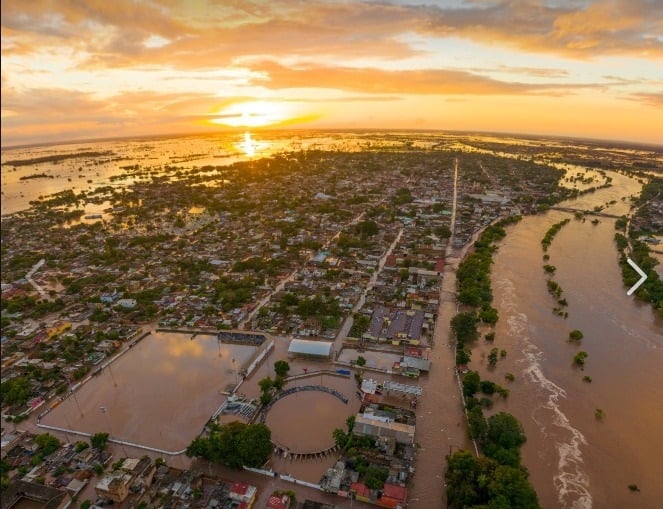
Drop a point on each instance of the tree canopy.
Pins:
(235, 444)
(281, 368)
(99, 440)
(47, 443)
(481, 483)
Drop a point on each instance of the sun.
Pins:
(254, 114)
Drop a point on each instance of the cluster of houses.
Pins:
(58, 479)
(296, 245)
(391, 429)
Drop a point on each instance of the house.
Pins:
(33, 495)
(127, 303)
(109, 298)
(114, 486)
(361, 492)
(243, 493)
(278, 502)
(393, 496)
(377, 424)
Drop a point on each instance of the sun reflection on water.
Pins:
(248, 146)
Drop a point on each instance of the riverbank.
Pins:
(575, 460)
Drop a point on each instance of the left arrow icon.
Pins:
(642, 279)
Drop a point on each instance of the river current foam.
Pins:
(570, 481)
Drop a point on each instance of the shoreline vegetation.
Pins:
(57, 158)
(627, 240)
(554, 288)
(497, 478)
(37, 176)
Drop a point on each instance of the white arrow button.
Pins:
(642, 279)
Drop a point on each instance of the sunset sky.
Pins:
(76, 69)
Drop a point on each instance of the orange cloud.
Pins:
(57, 114)
(604, 27)
(372, 80)
(215, 34)
(653, 99)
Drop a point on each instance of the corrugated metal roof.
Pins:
(307, 347)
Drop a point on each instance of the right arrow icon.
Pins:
(642, 279)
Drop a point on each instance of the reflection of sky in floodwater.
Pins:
(160, 393)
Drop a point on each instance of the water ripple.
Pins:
(571, 482)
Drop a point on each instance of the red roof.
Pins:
(388, 502)
(275, 502)
(439, 265)
(413, 351)
(394, 491)
(361, 489)
(240, 488)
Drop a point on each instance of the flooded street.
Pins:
(576, 460)
(160, 393)
(441, 425)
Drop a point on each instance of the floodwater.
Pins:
(379, 360)
(576, 460)
(303, 421)
(159, 394)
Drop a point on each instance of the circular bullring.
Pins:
(302, 418)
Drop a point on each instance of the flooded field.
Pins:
(303, 422)
(159, 394)
(379, 360)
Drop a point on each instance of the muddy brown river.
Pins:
(576, 460)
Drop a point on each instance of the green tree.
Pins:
(482, 483)
(340, 437)
(505, 430)
(442, 231)
(509, 486)
(254, 445)
(361, 361)
(488, 314)
(266, 384)
(235, 444)
(375, 477)
(99, 441)
(47, 444)
(579, 359)
(366, 229)
(281, 368)
(463, 471)
(471, 382)
(350, 423)
(16, 391)
(279, 382)
(464, 326)
(492, 357)
(81, 446)
(463, 357)
(575, 335)
(477, 423)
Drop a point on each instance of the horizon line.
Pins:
(234, 130)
